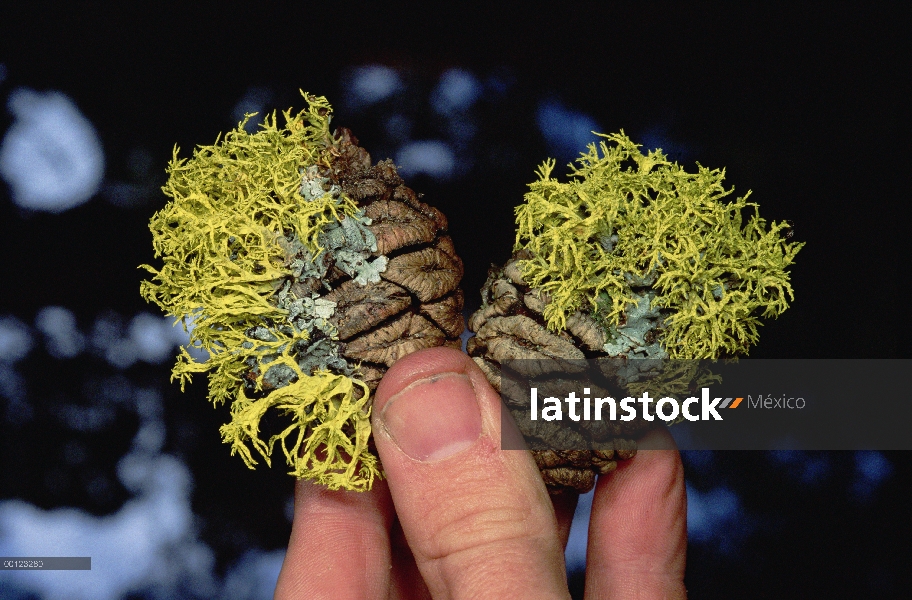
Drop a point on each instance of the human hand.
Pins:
(457, 517)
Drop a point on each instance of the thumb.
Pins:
(478, 519)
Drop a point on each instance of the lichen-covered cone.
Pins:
(302, 273)
(632, 258)
(508, 326)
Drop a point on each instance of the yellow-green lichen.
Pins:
(630, 227)
(230, 240)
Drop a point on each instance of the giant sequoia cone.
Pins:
(306, 272)
(631, 261)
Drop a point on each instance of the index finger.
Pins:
(638, 527)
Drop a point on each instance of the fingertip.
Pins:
(419, 365)
(339, 544)
(638, 527)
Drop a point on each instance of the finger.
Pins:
(478, 519)
(638, 528)
(339, 546)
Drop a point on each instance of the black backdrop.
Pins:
(805, 106)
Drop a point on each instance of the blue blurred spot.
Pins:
(254, 576)
(701, 460)
(148, 548)
(398, 127)
(716, 517)
(871, 469)
(873, 466)
(455, 93)
(15, 339)
(498, 83)
(462, 128)
(255, 100)
(431, 157)
(370, 84)
(809, 467)
(12, 388)
(63, 338)
(657, 137)
(567, 132)
(51, 155)
(147, 338)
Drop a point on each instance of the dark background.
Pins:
(806, 106)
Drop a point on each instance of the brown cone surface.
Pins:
(418, 303)
(510, 325)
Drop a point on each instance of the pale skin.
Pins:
(457, 517)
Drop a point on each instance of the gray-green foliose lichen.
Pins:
(636, 337)
(347, 244)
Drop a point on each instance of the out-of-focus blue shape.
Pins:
(15, 339)
(15, 344)
(254, 576)
(369, 84)
(701, 460)
(567, 132)
(62, 337)
(87, 419)
(499, 82)
(51, 156)
(104, 397)
(254, 100)
(140, 162)
(575, 553)
(148, 543)
(145, 184)
(152, 337)
(123, 194)
(816, 468)
(455, 93)
(147, 338)
(12, 387)
(710, 515)
(657, 137)
(149, 548)
(462, 128)
(431, 157)
(809, 467)
(872, 468)
(398, 127)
